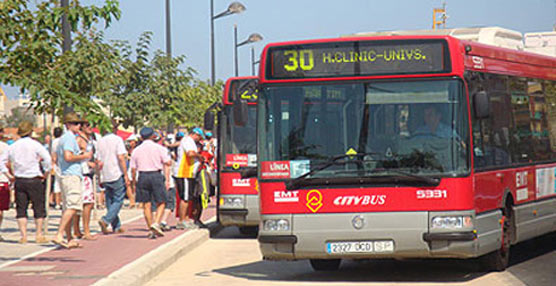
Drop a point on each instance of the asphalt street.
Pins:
(230, 258)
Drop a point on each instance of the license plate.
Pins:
(360, 247)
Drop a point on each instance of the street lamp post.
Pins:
(234, 8)
(255, 37)
(168, 31)
(253, 61)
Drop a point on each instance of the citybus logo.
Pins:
(314, 200)
(366, 200)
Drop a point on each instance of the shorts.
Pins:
(185, 187)
(170, 200)
(29, 189)
(151, 188)
(88, 191)
(72, 194)
(4, 196)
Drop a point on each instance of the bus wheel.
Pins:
(249, 230)
(325, 264)
(499, 259)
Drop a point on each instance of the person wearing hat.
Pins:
(69, 158)
(26, 155)
(185, 170)
(149, 159)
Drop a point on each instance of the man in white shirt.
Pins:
(26, 155)
(113, 177)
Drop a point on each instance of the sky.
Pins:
(285, 20)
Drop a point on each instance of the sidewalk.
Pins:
(124, 259)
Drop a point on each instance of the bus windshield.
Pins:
(419, 127)
(240, 139)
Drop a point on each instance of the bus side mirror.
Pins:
(481, 105)
(240, 112)
(209, 120)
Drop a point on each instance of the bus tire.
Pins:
(500, 259)
(325, 264)
(249, 230)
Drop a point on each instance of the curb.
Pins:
(146, 267)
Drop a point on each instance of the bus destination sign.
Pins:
(357, 58)
(242, 89)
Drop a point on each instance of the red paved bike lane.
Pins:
(95, 260)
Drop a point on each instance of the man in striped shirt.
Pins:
(187, 165)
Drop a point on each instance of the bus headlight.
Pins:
(452, 222)
(276, 225)
(233, 202)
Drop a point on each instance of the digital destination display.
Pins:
(242, 89)
(357, 58)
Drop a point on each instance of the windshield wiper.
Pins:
(294, 183)
(428, 180)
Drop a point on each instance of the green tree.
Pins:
(200, 96)
(31, 58)
(18, 114)
(157, 91)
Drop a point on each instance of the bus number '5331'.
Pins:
(432, 194)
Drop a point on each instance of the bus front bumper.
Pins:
(313, 236)
(246, 214)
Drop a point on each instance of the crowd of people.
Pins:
(156, 171)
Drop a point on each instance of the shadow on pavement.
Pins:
(532, 262)
(53, 259)
(133, 236)
(358, 271)
(230, 232)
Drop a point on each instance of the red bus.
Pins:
(404, 147)
(238, 197)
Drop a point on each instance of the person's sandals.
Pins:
(120, 230)
(60, 243)
(88, 237)
(41, 239)
(22, 241)
(74, 244)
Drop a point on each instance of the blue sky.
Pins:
(282, 20)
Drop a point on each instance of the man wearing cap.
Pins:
(185, 170)
(69, 158)
(113, 177)
(26, 155)
(149, 159)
